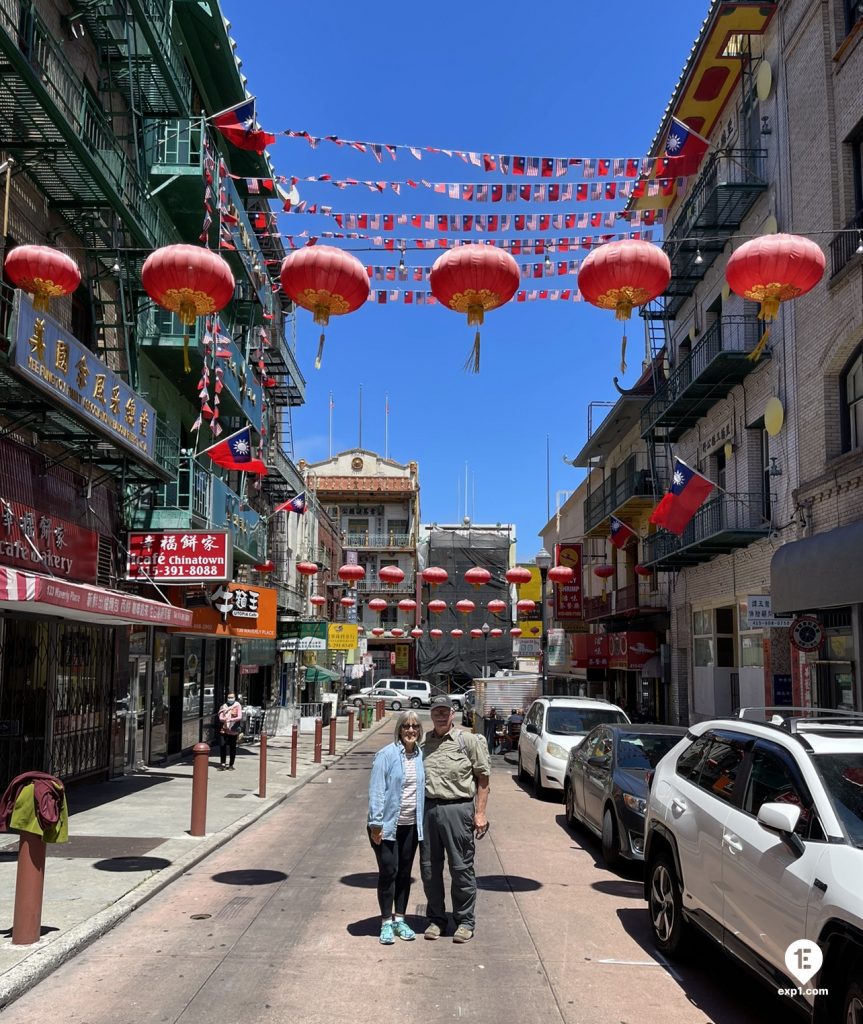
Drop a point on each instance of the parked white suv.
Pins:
(552, 727)
(417, 692)
(754, 833)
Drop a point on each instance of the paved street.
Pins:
(281, 924)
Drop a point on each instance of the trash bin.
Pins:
(326, 712)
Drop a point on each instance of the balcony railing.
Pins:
(726, 522)
(185, 502)
(633, 599)
(374, 585)
(715, 365)
(629, 480)
(846, 245)
(378, 540)
(174, 144)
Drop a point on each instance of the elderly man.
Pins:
(457, 773)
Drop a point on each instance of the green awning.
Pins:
(314, 674)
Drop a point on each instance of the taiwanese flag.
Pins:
(686, 146)
(518, 165)
(547, 167)
(296, 504)
(496, 193)
(239, 127)
(620, 532)
(235, 452)
(689, 491)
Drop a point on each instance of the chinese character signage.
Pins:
(631, 650)
(532, 626)
(231, 609)
(47, 544)
(590, 650)
(759, 613)
(179, 556)
(303, 636)
(55, 362)
(342, 636)
(567, 598)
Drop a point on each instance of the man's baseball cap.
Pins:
(441, 701)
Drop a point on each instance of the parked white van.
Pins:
(417, 692)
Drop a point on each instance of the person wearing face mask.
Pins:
(231, 724)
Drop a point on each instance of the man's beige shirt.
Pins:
(451, 773)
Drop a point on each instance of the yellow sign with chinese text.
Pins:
(342, 636)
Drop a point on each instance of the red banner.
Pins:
(589, 650)
(179, 556)
(568, 598)
(44, 543)
(631, 650)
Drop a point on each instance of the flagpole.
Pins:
(331, 425)
(386, 426)
(227, 110)
(360, 426)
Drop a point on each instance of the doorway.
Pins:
(137, 714)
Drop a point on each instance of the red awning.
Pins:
(31, 592)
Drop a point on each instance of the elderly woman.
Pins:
(395, 822)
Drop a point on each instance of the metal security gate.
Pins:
(56, 701)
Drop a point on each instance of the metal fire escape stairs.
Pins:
(658, 442)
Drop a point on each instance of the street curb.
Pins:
(42, 962)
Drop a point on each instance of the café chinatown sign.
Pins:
(179, 556)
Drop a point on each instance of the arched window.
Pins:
(852, 403)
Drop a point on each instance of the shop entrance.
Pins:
(137, 713)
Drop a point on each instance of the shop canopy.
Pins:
(321, 675)
(32, 592)
(805, 575)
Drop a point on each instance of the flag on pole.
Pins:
(620, 532)
(686, 147)
(239, 127)
(296, 504)
(235, 452)
(689, 491)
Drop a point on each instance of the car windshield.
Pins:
(643, 750)
(842, 775)
(579, 721)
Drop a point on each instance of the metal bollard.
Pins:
(262, 767)
(295, 735)
(319, 740)
(201, 752)
(350, 725)
(369, 718)
(381, 710)
(29, 888)
(332, 749)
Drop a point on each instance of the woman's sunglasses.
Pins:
(417, 727)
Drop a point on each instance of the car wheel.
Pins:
(396, 705)
(666, 906)
(521, 775)
(416, 702)
(358, 703)
(852, 1008)
(610, 841)
(538, 788)
(571, 818)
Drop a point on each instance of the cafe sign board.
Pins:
(179, 556)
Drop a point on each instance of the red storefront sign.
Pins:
(631, 650)
(589, 650)
(179, 556)
(65, 551)
(568, 597)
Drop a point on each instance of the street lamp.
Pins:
(485, 631)
(543, 563)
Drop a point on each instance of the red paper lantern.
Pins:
(603, 571)
(643, 570)
(396, 631)
(44, 272)
(187, 280)
(773, 269)
(456, 633)
(620, 275)
(347, 602)
(407, 604)
(496, 606)
(435, 634)
(416, 632)
(496, 633)
(378, 631)
(436, 607)
(307, 568)
(465, 606)
(518, 575)
(515, 631)
(434, 575)
(476, 634)
(361, 629)
(477, 577)
(318, 600)
(265, 566)
(391, 574)
(561, 574)
(471, 279)
(351, 573)
(378, 605)
(525, 605)
(326, 281)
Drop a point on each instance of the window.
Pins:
(690, 761)
(702, 644)
(765, 474)
(852, 404)
(853, 13)
(722, 766)
(725, 647)
(773, 779)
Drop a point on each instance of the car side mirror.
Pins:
(598, 762)
(782, 819)
(530, 727)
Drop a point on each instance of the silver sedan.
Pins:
(394, 701)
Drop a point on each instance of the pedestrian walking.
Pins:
(395, 823)
(457, 770)
(231, 719)
(490, 729)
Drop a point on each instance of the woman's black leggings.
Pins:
(228, 744)
(395, 858)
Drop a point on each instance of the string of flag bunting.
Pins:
(408, 297)
(558, 268)
(515, 246)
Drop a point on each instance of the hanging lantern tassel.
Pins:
(320, 354)
(322, 317)
(475, 317)
(755, 354)
(623, 354)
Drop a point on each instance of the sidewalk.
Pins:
(129, 838)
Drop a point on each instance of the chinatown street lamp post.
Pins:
(485, 632)
(543, 563)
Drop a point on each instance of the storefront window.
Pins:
(751, 651)
(702, 645)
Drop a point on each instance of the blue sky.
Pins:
(578, 79)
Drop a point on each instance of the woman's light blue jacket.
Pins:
(385, 789)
